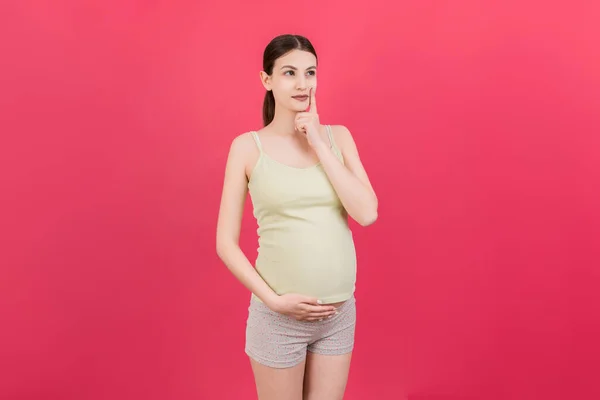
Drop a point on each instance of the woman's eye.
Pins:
(291, 73)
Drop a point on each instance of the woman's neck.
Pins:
(284, 122)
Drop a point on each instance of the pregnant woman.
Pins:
(304, 179)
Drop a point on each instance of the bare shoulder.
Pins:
(345, 142)
(243, 152)
(243, 147)
(343, 137)
(242, 142)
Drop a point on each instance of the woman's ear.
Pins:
(265, 80)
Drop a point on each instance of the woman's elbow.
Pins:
(369, 214)
(368, 218)
(223, 247)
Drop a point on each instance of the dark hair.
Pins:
(280, 46)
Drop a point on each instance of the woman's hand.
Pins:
(302, 308)
(307, 122)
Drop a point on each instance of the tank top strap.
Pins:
(332, 141)
(256, 140)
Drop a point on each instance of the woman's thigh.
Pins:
(278, 383)
(276, 345)
(326, 376)
(328, 360)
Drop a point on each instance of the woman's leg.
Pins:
(326, 376)
(328, 359)
(278, 383)
(276, 345)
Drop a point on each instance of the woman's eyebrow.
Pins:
(295, 69)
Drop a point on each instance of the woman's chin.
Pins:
(297, 107)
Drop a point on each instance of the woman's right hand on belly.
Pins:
(302, 308)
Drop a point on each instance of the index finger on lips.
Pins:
(312, 102)
(309, 100)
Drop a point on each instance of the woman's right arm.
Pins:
(235, 189)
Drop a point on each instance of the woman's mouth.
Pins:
(300, 98)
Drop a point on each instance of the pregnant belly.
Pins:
(330, 281)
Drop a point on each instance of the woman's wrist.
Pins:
(271, 300)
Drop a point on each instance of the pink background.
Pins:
(477, 121)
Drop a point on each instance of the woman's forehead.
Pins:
(297, 58)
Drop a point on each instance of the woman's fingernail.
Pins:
(319, 302)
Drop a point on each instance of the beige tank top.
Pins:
(305, 244)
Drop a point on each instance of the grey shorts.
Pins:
(279, 341)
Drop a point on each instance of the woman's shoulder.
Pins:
(341, 135)
(244, 141)
(243, 151)
(244, 148)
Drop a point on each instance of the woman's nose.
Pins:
(301, 82)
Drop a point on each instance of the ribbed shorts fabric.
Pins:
(279, 341)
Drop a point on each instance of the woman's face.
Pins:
(294, 74)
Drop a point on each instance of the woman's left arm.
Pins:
(349, 179)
